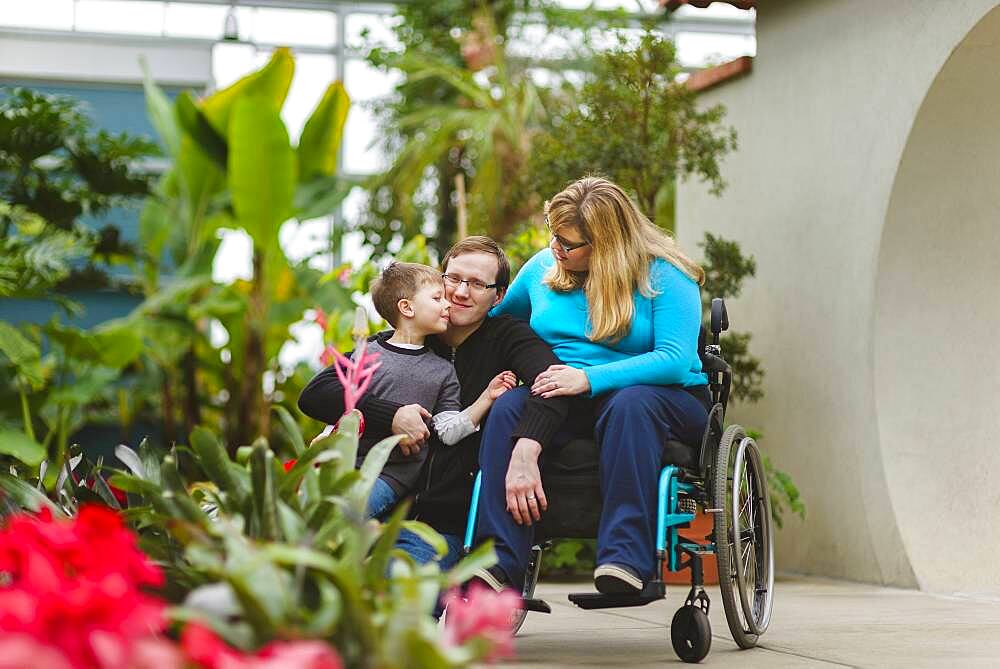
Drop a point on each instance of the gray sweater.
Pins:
(409, 376)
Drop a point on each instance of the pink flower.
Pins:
(355, 375)
(204, 648)
(483, 614)
(297, 655)
(344, 276)
(320, 318)
(20, 651)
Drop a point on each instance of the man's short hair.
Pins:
(400, 281)
(481, 244)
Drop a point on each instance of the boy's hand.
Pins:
(500, 384)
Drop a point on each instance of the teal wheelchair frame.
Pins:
(724, 475)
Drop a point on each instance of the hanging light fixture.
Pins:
(231, 30)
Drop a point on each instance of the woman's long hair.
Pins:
(623, 241)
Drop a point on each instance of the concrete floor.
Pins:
(816, 623)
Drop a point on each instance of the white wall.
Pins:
(66, 56)
(825, 121)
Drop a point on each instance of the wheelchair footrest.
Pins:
(654, 591)
(537, 605)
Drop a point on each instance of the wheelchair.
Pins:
(724, 475)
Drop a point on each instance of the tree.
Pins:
(55, 170)
(637, 125)
(465, 107)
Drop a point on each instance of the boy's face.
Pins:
(430, 309)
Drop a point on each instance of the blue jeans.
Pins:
(381, 500)
(630, 426)
(422, 552)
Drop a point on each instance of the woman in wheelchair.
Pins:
(619, 304)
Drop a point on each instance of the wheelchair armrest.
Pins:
(711, 363)
(720, 318)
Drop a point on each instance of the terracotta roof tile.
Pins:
(713, 76)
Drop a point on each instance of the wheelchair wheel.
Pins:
(528, 592)
(691, 634)
(743, 539)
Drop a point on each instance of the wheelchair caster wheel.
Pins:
(691, 634)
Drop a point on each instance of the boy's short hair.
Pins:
(400, 281)
(481, 244)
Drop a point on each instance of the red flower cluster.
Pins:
(484, 614)
(72, 589)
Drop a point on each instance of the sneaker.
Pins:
(614, 579)
(494, 578)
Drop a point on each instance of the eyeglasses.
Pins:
(474, 285)
(565, 246)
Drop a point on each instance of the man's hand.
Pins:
(525, 496)
(561, 380)
(409, 420)
(500, 384)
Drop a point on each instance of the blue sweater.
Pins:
(659, 349)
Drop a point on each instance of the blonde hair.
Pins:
(624, 243)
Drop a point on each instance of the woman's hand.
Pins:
(560, 380)
(525, 495)
(500, 384)
(409, 420)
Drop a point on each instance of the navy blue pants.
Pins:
(630, 426)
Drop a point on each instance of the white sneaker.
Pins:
(614, 579)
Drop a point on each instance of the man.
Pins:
(476, 274)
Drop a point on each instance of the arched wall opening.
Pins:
(937, 326)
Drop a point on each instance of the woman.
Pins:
(619, 304)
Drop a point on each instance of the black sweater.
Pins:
(445, 485)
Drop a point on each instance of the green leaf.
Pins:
(294, 476)
(130, 459)
(160, 112)
(321, 136)
(216, 464)
(378, 561)
(102, 489)
(118, 342)
(321, 196)
(197, 127)
(291, 429)
(481, 557)
(429, 535)
(270, 84)
(265, 498)
(372, 467)
(26, 496)
(22, 447)
(23, 353)
(261, 170)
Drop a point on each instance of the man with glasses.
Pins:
(476, 274)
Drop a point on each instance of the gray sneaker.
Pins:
(615, 579)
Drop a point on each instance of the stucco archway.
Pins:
(937, 325)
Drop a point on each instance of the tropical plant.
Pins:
(58, 177)
(233, 167)
(268, 547)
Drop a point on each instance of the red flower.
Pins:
(75, 586)
(483, 614)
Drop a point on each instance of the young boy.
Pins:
(411, 298)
